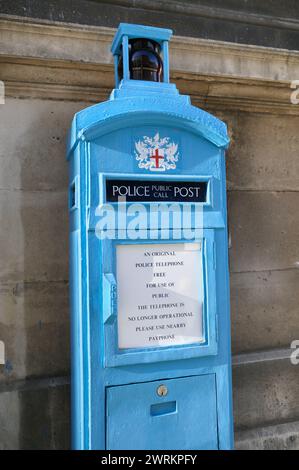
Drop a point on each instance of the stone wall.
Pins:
(266, 23)
(50, 72)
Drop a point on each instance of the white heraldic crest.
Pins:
(155, 154)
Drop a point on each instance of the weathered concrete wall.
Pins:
(34, 273)
(263, 199)
(250, 91)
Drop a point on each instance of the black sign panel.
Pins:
(156, 190)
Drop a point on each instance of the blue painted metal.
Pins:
(125, 48)
(112, 389)
(115, 62)
(138, 31)
(165, 61)
(176, 421)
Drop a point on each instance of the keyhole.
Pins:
(162, 391)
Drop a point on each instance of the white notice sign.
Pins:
(160, 294)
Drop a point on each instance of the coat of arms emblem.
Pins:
(156, 154)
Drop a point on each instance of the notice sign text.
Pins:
(160, 294)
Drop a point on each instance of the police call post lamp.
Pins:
(150, 327)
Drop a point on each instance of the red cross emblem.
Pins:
(157, 158)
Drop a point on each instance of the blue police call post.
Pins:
(149, 283)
